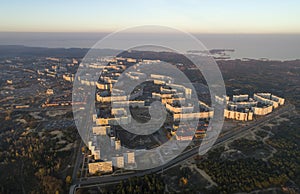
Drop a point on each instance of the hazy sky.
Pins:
(197, 16)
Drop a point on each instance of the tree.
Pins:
(68, 180)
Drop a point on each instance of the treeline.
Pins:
(148, 184)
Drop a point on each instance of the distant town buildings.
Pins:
(49, 92)
(21, 106)
(68, 77)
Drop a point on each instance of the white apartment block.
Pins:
(117, 144)
(264, 100)
(182, 109)
(240, 116)
(278, 99)
(262, 110)
(101, 130)
(240, 98)
(187, 91)
(164, 78)
(133, 103)
(129, 158)
(110, 98)
(118, 161)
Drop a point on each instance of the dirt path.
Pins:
(206, 176)
(272, 149)
(194, 167)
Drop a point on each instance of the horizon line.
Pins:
(204, 33)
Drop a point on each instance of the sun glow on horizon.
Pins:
(191, 16)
